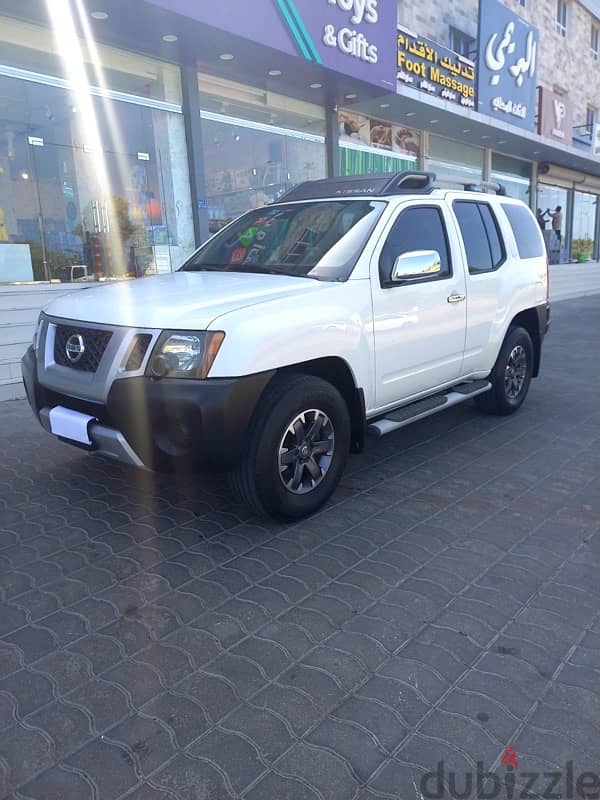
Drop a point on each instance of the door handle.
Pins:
(456, 298)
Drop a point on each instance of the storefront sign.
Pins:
(508, 55)
(555, 116)
(432, 68)
(354, 37)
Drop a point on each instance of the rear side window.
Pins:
(480, 234)
(418, 228)
(526, 230)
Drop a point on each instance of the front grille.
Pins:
(95, 342)
(135, 359)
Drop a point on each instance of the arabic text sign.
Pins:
(428, 66)
(508, 56)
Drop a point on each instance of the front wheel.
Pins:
(297, 448)
(511, 375)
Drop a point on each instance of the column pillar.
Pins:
(332, 143)
(193, 136)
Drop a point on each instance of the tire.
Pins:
(259, 480)
(511, 375)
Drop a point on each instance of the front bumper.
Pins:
(164, 423)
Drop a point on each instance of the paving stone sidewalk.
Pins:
(158, 643)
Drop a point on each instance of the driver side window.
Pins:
(418, 228)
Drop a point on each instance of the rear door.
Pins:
(485, 256)
(419, 325)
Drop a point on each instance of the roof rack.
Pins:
(380, 184)
(474, 186)
(385, 183)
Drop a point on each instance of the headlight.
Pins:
(185, 354)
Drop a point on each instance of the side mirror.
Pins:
(416, 264)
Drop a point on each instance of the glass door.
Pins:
(585, 210)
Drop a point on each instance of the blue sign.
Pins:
(507, 65)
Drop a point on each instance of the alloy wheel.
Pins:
(306, 451)
(516, 372)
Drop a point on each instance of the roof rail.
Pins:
(474, 186)
(381, 184)
(407, 182)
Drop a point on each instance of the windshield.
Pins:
(321, 240)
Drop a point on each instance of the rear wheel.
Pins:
(511, 375)
(297, 448)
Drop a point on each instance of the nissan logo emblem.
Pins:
(75, 348)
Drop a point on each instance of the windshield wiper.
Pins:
(240, 269)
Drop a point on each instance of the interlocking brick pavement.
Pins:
(158, 643)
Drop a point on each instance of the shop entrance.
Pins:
(98, 216)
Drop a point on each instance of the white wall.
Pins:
(19, 310)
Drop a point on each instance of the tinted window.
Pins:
(526, 230)
(491, 228)
(419, 228)
(472, 228)
(320, 240)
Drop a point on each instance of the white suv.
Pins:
(353, 305)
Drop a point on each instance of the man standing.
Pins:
(556, 218)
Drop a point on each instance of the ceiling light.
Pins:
(384, 105)
(99, 15)
(433, 121)
(25, 176)
(351, 96)
(316, 85)
(169, 37)
(411, 113)
(485, 137)
(501, 141)
(536, 152)
(467, 130)
(274, 73)
(226, 56)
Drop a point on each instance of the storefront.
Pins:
(577, 197)
(93, 178)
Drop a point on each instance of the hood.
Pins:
(182, 300)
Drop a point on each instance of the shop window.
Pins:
(583, 236)
(452, 159)
(590, 120)
(369, 145)
(561, 17)
(90, 188)
(257, 145)
(513, 174)
(595, 42)
(462, 43)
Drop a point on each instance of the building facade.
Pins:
(131, 131)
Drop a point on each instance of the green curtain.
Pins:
(360, 162)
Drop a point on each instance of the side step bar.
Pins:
(425, 408)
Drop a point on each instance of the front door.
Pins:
(419, 325)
